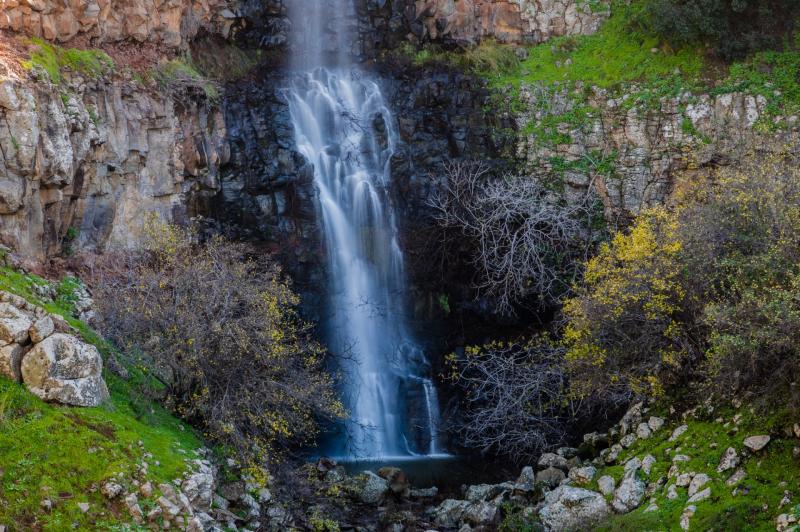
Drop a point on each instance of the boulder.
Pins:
(643, 431)
(582, 475)
(14, 324)
(628, 440)
(481, 514)
(629, 494)
(373, 488)
(551, 476)
(449, 513)
(655, 423)
(613, 453)
(568, 508)
(552, 460)
(11, 360)
(606, 484)
(756, 443)
(397, 479)
(64, 369)
(199, 487)
(41, 329)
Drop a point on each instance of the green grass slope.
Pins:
(64, 455)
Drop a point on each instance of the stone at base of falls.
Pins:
(64, 369)
(397, 479)
(567, 508)
(373, 488)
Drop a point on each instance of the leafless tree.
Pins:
(522, 233)
(514, 398)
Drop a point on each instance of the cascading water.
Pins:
(344, 127)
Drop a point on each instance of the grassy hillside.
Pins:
(63, 455)
(750, 504)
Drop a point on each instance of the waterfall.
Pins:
(344, 127)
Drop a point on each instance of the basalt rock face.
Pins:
(90, 162)
(172, 22)
(267, 190)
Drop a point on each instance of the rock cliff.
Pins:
(172, 23)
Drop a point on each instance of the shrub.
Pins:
(514, 397)
(732, 27)
(218, 328)
(718, 275)
(624, 333)
(524, 241)
(744, 236)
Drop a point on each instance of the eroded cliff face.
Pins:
(507, 21)
(97, 158)
(85, 158)
(168, 22)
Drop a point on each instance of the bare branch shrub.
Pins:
(219, 329)
(515, 397)
(524, 238)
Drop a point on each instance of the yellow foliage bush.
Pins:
(624, 333)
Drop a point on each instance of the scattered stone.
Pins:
(14, 324)
(111, 490)
(628, 441)
(613, 453)
(632, 466)
(632, 418)
(683, 480)
(643, 431)
(146, 490)
(785, 522)
(132, 502)
(737, 477)
(700, 495)
(787, 499)
(756, 443)
(729, 460)
(527, 476)
(672, 492)
(199, 487)
(46, 505)
(169, 509)
(687, 514)
(680, 458)
(647, 463)
(568, 508)
(552, 460)
(606, 485)
(582, 475)
(699, 480)
(83, 507)
(655, 423)
(678, 432)
(652, 507)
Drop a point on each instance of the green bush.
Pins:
(733, 28)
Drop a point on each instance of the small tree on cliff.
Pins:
(218, 328)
